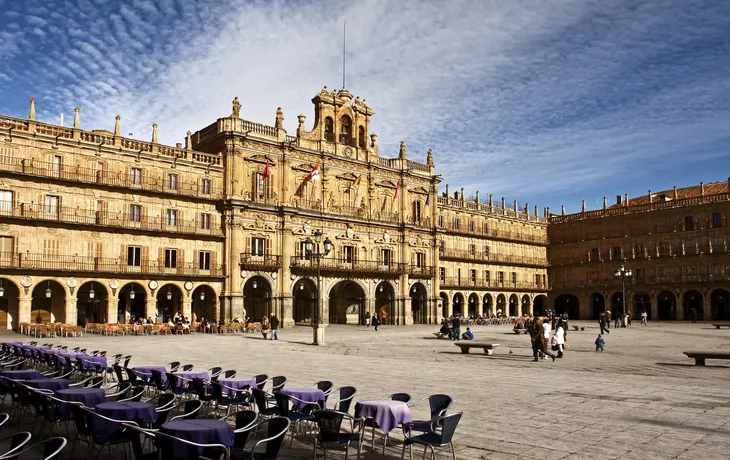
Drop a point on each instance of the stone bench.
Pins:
(465, 345)
(701, 356)
(719, 325)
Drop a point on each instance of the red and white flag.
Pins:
(314, 174)
(397, 191)
(267, 170)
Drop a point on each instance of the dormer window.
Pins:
(345, 129)
(329, 130)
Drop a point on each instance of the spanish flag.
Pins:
(357, 181)
(397, 191)
(267, 170)
(313, 175)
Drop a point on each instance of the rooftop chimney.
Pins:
(702, 188)
(562, 209)
(77, 123)
(605, 203)
(515, 205)
(626, 199)
(490, 195)
(31, 114)
(535, 210)
(583, 206)
(477, 197)
(462, 193)
(675, 192)
(189, 141)
(504, 203)
(154, 133)
(117, 128)
(447, 190)
(650, 198)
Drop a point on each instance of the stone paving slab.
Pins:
(641, 399)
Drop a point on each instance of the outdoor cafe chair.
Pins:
(261, 380)
(48, 449)
(295, 416)
(331, 432)
(346, 395)
(190, 410)
(164, 443)
(17, 441)
(260, 398)
(118, 390)
(134, 394)
(438, 404)
(276, 429)
(214, 373)
(241, 398)
(433, 439)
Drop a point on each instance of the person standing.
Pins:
(274, 327)
(694, 315)
(375, 321)
(546, 329)
(456, 326)
(617, 321)
(600, 342)
(367, 318)
(608, 319)
(560, 338)
(265, 326)
(539, 345)
(643, 317)
(603, 320)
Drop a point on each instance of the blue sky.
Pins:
(543, 101)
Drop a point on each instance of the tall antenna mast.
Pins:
(344, 50)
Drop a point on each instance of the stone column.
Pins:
(287, 246)
(187, 306)
(406, 314)
(71, 311)
(370, 305)
(287, 307)
(24, 307)
(150, 308)
(654, 307)
(706, 309)
(679, 305)
(112, 311)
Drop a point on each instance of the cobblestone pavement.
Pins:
(641, 399)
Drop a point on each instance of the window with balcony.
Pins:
(51, 208)
(206, 186)
(57, 165)
(205, 221)
(348, 254)
(662, 226)
(6, 201)
(442, 274)
(385, 257)
(487, 277)
(171, 216)
(135, 176)
(716, 220)
(689, 223)
(514, 277)
(6, 247)
(665, 248)
(472, 227)
(486, 252)
(640, 275)
(134, 256)
(420, 260)
(135, 213)
(544, 280)
(260, 189)
(473, 277)
(204, 260)
(486, 228)
(595, 255)
(719, 270)
(456, 223)
(537, 280)
(500, 278)
(170, 258)
(258, 246)
(172, 181)
(616, 253)
(718, 244)
(690, 247)
(472, 250)
(639, 251)
(417, 210)
(666, 273)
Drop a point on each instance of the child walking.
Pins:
(600, 342)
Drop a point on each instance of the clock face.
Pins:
(188, 285)
(348, 152)
(153, 285)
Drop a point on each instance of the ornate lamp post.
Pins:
(623, 274)
(312, 250)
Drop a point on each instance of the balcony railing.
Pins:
(644, 281)
(354, 266)
(51, 262)
(506, 259)
(455, 282)
(421, 271)
(80, 216)
(268, 262)
(33, 167)
(497, 234)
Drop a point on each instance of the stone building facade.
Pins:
(674, 241)
(98, 227)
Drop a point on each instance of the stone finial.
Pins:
(504, 203)
(702, 189)
(117, 127)
(189, 140)
(535, 210)
(279, 123)
(325, 90)
(461, 195)
(373, 140)
(77, 120)
(605, 202)
(583, 207)
(476, 197)
(301, 118)
(490, 200)
(154, 133)
(515, 206)
(402, 151)
(31, 115)
(562, 209)
(675, 192)
(236, 108)
(447, 190)
(429, 158)
(650, 198)
(547, 211)
(626, 199)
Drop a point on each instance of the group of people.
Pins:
(269, 325)
(620, 320)
(543, 340)
(372, 320)
(451, 328)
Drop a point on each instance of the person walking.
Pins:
(274, 327)
(375, 321)
(265, 327)
(600, 342)
(617, 320)
(546, 329)
(456, 327)
(603, 321)
(608, 318)
(643, 317)
(539, 345)
(367, 318)
(560, 338)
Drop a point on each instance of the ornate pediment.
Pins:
(304, 229)
(419, 242)
(419, 190)
(349, 234)
(386, 183)
(259, 224)
(347, 176)
(385, 238)
(259, 158)
(304, 167)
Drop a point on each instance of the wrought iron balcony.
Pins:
(421, 271)
(492, 284)
(268, 262)
(373, 267)
(501, 259)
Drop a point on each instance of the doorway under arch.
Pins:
(565, 303)
(419, 303)
(304, 295)
(347, 303)
(473, 307)
(458, 304)
(169, 301)
(385, 302)
(131, 303)
(641, 304)
(501, 303)
(49, 303)
(487, 305)
(445, 312)
(617, 305)
(204, 304)
(513, 304)
(719, 305)
(692, 305)
(257, 298)
(667, 305)
(91, 303)
(598, 305)
(9, 304)
(538, 305)
(525, 305)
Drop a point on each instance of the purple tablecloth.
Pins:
(201, 431)
(64, 357)
(387, 414)
(143, 372)
(48, 384)
(238, 384)
(128, 410)
(89, 397)
(312, 395)
(187, 377)
(27, 374)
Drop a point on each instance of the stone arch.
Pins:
(526, 303)
(501, 305)
(513, 304)
(48, 304)
(91, 303)
(304, 300)
(445, 311)
(539, 304)
(487, 305)
(204, 303)
(667, 305)
(473, 304)
(9, 304)
(169, 301)
(347, 301)
(640, 302)
(131, 302)
(563, 303)
(598, 304)
(720, 304)
(458, 304)
(617, 303)
(419, 303)
(385, 298)
(257, 293)
(692, 305)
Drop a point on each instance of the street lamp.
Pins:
(202, 294)
(48, 291)
(623, 274)
(132, 294)
(2, 290)
(312, 250)
(92, 294)
(169, 294)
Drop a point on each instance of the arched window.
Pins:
(329, 129)
(345, 129)
(361, 137)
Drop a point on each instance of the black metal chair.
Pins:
(49, 448)
(276, 429)
(190, 410)
(126, 360)
(17, 441)
(106, 437)
(160, 384)
(331, 432)
(214, 373)
(245, 421)
(229, 374)
(134, 394)
(4, 419)
(241, 398)
(346, 395)
(173, 366)
(187, 368)
(204, 391)
(260, 398)
(169, 446)
(326, 387)
(402, 397)
(438, 404)
(434, 438)
(284, 405)
(179, 385)
(120, 390)
(261, 380)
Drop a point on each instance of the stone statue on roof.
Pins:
(236, 108)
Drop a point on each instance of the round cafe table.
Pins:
(238, 384)
(48, 384)
(313, 395)
(89, 397)
(144, 372)
(183, 379)
(140, 412)
(387, 414)
(201, 431)
(27, 374)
